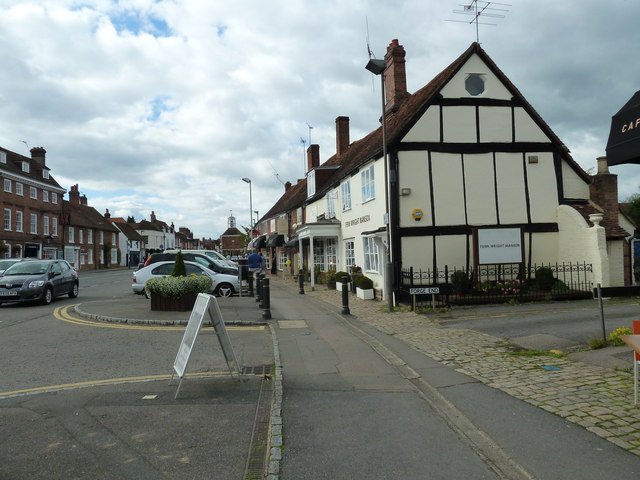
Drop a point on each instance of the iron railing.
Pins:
(500, 283)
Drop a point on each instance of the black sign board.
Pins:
(624, 139)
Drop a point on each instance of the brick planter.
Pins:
(172, 304)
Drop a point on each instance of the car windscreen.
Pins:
(27, 268)
(4, 264)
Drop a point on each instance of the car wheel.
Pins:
(74, 291)
(47, 296)
(224, 290)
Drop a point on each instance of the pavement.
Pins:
(592, 389)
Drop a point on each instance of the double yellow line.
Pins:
(63, 313)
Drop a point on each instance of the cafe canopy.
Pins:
(624, 139)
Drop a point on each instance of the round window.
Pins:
(474, 84)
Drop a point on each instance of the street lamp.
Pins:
(377, 67)
(257, 216)
(248, 180)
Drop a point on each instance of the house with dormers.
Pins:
(130, 242)
(157, 235)
(31, 202)
(473, 178)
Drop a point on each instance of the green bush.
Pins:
(461, 281)
(339, 276)
(544, 278)
(179, 270)
(330, 275)
(614, 337)
(364, 283)
(176, 287)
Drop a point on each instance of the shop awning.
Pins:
(275, 240)
(624, 139)
(293, 242)
(259, 242)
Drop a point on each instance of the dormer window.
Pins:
(45, 174)
(25, 167)
(474, 84)
(3, 157)
(311, 183)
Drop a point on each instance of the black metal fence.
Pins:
(499, 283)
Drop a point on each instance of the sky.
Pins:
(165, 105)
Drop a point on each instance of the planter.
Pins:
(365, 294)
(339, 286)
(173, 304)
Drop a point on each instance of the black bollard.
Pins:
(266, 299)
(345, 296)
(301, 281)
(258, 287)
(250, 283)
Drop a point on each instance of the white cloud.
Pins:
(165, 105)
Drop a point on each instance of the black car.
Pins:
(203, 260)
(38, 280)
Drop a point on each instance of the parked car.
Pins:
(204, 260)
(223, 285)
(38, 280)
(7, 262)
(209, 253)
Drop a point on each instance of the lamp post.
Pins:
(257, 216)
(377, 67)
(248, 180)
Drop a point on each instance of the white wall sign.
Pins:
(499, 245)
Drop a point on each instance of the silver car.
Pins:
(223, 285)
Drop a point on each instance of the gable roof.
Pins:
(86, 216)
(400, 121)
(14, 167)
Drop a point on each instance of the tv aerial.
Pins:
(478, 10)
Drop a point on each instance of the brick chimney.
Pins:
(287, 186)
(107, 214)
(604, 191)
(313, 156)
(153, 216)
(395, 76)
(83, 200)
(38, 155)
(74, 195)
(342, 135)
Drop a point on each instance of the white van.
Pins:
(210, 253)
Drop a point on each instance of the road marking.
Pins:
(109, 381)
(62, 313)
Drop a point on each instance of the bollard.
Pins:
(266, 299)
(301, 281)
(250, 283)
(345, 296)
(258, 287)
(263, 281)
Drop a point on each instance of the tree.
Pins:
(632, 208)
(245, 237)
(179, 270)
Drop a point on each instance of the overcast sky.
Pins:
(166, 105)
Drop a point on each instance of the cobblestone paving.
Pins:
(598, 399)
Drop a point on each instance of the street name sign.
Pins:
(424, 291)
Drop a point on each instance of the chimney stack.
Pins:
(38, 155)
(287, 186)
(313, 157)
(395, 76)
(342, 135)
(604, 191)
(74, 195)
(153, 216)
(107, 214)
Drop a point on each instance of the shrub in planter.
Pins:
(364, 287)
(544, 278)
(176, 293)
(341, 274)
(179, 270)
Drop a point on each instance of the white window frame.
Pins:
(54, 226)
(19, 189)
(331, 253)
(80, 236)
(318, 255)
(33, 223)
(371, 255)
(345, 191)
(113, 239)
(7, 219)
(45, 173)
(3, 157)
(19, 221)
(33, 193)
(7, 185)
(349, 253)
(101, 236)
(72, 235)
(368, 182)
(45, 196)
(282, 259)
(90, 237)
(54, 197)
(331, 204)
(25, 167)
(311, 183)
(45, 225)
